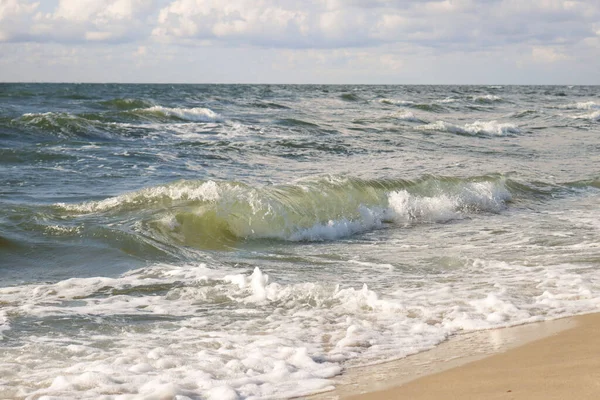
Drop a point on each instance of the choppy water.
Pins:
(226, 241)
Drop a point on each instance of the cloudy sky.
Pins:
(301, 41)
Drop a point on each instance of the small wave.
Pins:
(208, 213)
(295, 122)
(397, 102)
(408, 116)
(492, 128)
(488, 98)
(431, 107)
(76, 96)
(525, 113)
(586, 105)
(595, 116)
(63, 124)
(126, 104)
(197, 114)
(349, 97)
(269, 105)
(4, 323)
(447, 100)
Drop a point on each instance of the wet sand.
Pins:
(551, 360)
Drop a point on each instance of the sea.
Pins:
(255, 241)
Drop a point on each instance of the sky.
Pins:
(301, 41)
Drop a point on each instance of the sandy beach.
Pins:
(551, 360)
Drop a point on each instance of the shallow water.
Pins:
(247, 241)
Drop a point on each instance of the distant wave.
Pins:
(109, 124)
(349, 97)
(432, 107)
(587, 105)
(396, 102)
(62, 124)
(492, 128)
(197, 114)
(207, 213)
(447, 100)
(595, 116)
(408, 116)
(488, 98)
(126, 104)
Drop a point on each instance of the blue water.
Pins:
(252, 241)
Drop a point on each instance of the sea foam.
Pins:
(196, 114)
(489, 128)
(585, 105)
(281, 339)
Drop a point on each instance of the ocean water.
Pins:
(253, 241)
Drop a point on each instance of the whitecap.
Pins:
(196, 114)
(595, 116)
(397, 102)
(584, 105)
(408, 117)
(488, 98)
(492, 128)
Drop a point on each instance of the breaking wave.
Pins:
(491, 128)
(61, 124)
(408, 116)
(208, 213)
(196, 114)
(587, 105)
(595, 116)
(431, 107)
(488, 98)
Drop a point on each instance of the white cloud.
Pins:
(75, 20)
(547, 55)
(14, 18)
(332, 38)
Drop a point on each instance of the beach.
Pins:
(551, 360)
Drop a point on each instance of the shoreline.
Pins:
(541, 360)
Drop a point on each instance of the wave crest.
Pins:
(492, 128)
(208, 213)
(488, 98)
(196, 114)
(126, 104)
(586, 105)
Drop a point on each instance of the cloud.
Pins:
(336, 38)
(75, 21)
(15, 16)
(464, 24)
(547, 55)
(447, 25)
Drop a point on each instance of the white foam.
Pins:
(397, 102)
(183, 190)
(228, 335)
(595, 116)
(472, 197)
(4, 323)
(447, 100)
(585, 105)
(196, 114)
(408, 116)
(488, 98)
(492, 128)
